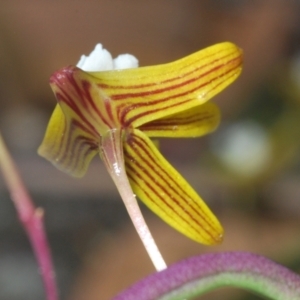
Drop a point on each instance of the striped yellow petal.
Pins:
(166, 193)
(67, 144)
(194, 122)
(145, 94)
(82, 116)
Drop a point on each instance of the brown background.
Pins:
(96, 250)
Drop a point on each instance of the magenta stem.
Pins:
(32, 220)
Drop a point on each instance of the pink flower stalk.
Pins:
(31, 218)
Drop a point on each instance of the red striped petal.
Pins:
(145, 94)
(166, 193)
(194, 122)
(67, 144)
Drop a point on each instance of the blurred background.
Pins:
(248, 171)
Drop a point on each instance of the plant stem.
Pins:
(112, 154)
(31, 218)
(198, 275)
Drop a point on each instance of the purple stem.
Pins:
(200, 274)
(31, 219)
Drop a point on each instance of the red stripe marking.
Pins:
(144, 147)
(59, 80)
(69, 75)
(80, 147)
(148, 112)
(150, 196)
(65, 142)
(171, 180)
(106, 86)
(75, 108)
(147, 103)
(82, 126)
(107, 103)
(117, 97)
(169, 126)
(177, 121)
(154, 192)
(87, 86)
(84, 96)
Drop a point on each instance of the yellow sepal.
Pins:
(194, 122)
(166, 193)
(66, 146)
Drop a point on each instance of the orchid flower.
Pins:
(115, 113)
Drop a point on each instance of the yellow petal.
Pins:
(145, 94)
(166, 193)
(67, 146)
(79, 120)
(194, 122)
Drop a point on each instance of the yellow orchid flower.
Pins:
(115, 113)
